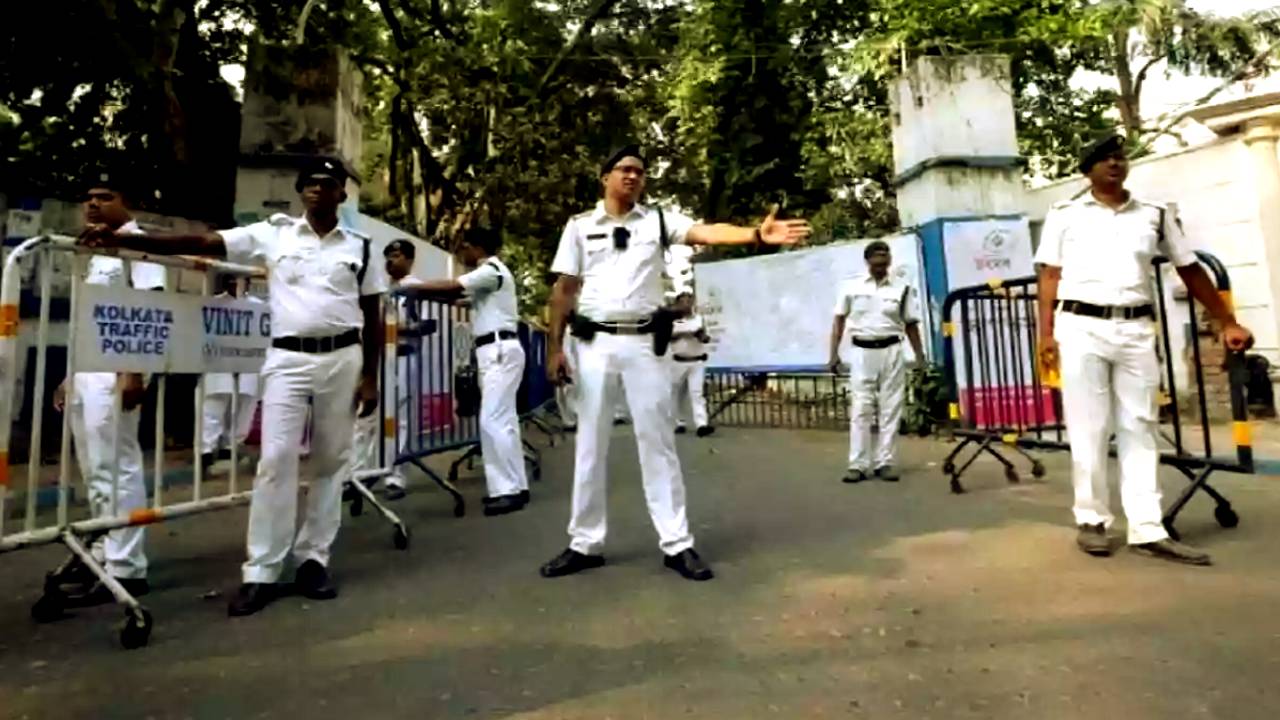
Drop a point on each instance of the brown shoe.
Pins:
(1172, 551)
(1093, 540)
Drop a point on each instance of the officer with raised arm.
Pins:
(610, 265)
(1097, 316)
(326, 344)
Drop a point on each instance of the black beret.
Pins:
(1098, 150)
(321, 166)
(404, 247)
(629, 150)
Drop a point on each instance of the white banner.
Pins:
(775, 311)
(124, 330)
(979, 251)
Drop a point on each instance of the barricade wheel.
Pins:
(949, 468)
(51, 606)
(956, 487)
(357, 505)
(459, 508)
(400, 538)
(1037, 469)
(1011, 475)
(1225, 516)
(137, 628)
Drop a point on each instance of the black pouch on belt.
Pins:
(582, 328)
(466, 391)
(664, 322)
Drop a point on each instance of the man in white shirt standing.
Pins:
(610, 262)
(326, 343)
(95, 420)
(879, 310)
(689, 366)
(490, 287)
(1097, 316)
(220, 426)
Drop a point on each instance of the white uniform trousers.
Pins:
(367, 448)
(94, 424)
(877, 377)
(646, 384)
(289, 378)
(217, 410)
(687, 383)
(1110, 382)
(501, 367)
(567, 393)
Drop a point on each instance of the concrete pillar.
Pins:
(958, 172)
(298, 102)
(1262, 137)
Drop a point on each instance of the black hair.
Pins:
(875, 246)
(403, 246)
(486, 238)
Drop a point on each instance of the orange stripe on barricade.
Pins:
(1226, 298)
(391, 332)
(8, 320)
(144, 516)
(4, 468)
(388, 427)
(1242, 433)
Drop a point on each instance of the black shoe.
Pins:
(224, 454)
(206, 461)
(887, 473)
(1092, 539)
(680, 429)
(312, 582)
(569, 562)
(689, 565)
(705, 430)
(1173, 551)
(853, 476)
(503, 505)
(100, 594)
(395, 492)
(252, 597)
(621, 421)
(489, 500)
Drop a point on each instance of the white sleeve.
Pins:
(148, 276)
(909, 314)
(1176, 246)
(842, 301)
(375, 275)
(568, 260)
(481, 281)
(1050, 250)
(245, 245)
(678, 226)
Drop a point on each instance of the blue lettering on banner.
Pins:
(132, 329)
(264, 325)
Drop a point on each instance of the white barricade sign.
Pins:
(124, 330)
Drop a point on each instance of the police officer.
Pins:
(220, 426)
(95, 419)
(399, 255)
(610, 265)
(490, 288)
(324, 291)
(689, 366)
(1097, 317)
(879, 310)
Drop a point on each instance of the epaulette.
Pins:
(357, 233)
(1062, 204)
(1152, 204)
(583, 215)
(281, 220)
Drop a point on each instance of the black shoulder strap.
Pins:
(902, 304)
(662, 229)
(364, 264)
(493, 264)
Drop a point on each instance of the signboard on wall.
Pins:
(125, 330)
(775, 311)
(979, 251)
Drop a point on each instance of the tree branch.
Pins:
(599, 10)
(393, 24)
(1141, 77)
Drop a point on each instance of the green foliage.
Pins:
(926, 405)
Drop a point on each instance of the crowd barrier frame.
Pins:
(1023, 422)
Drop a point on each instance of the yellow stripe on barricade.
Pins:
(388, 427)
(954, 409)
(1242, 433)
(995, 283)
(8, 320)
(391, 333)
(1226, 298)
(144, 516)
(948, 329)
(1009, 438)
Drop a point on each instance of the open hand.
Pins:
(783, 232)
(558, 368)
(1237, 337)
(132, 391)
(366, 399)
(60, 396)
(1049, 355)
(99, 236)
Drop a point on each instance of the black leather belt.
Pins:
(876, 343)
(642, 327)
(1107, 312)
(493, 337)
(317, 344)
(689, 358)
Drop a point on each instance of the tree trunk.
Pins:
(1127, 100)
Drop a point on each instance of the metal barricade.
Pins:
(537, 395)
(800, 400)
(999, 399)
(64, 523)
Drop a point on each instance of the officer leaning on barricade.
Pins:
(879, 310)
(1097, 317)
(324, 291)
(399, 256)
(610, 263)
(490, 288)
(95, 420)
(689, 340)
(220, 426)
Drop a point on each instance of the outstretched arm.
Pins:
(202, 244)
(442, 290)
(771, 232)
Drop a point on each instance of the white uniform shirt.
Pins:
(876, 310)
(683, 340)
(1106, 254)
(312, 279)
(492, 291)
(618, 285)
(110, 271)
